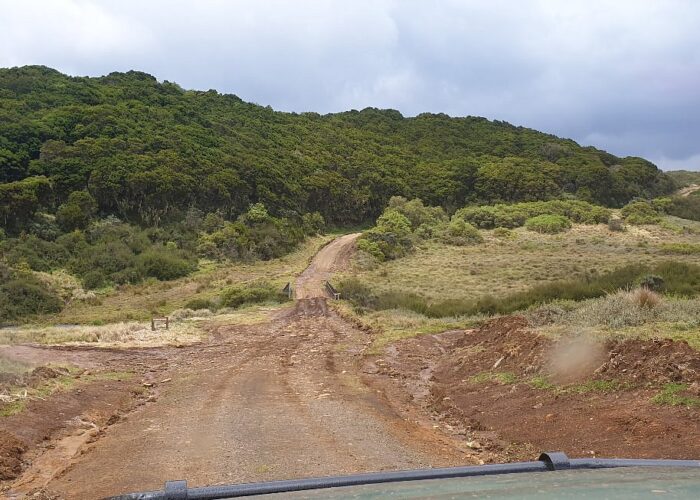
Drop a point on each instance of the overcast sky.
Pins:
(623, 75)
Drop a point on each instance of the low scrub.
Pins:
(23, 295)
(548, 224)
(678, 279)
(641, 212)
(461, 233)
(680, 248)
(198, 304)
(252, 293)
(515, 215)
(685, 207)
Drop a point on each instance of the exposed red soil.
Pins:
(452, 376)
(91, 403)
(11, 450)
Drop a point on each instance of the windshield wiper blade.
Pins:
(550, 461)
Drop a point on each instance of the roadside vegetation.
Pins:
(564, 260)
(114, 181)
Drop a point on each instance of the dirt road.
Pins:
(279, 399)
(330, 258)
(688, 190)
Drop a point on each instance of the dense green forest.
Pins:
(147, 152)
(120, 178)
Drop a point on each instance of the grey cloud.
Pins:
(620, 75)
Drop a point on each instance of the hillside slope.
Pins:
(148, 151)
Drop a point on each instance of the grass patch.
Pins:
(542, 383)
(680, 248)
(678, 278)
(59, 384)
(671, 396)
(605, 386)
(252, 293)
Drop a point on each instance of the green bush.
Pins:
(640, 212)
(391, 235)
(549, 224)
(252, 293)
(416, 212)
(458, 232)
(515, 215)
(24, 296)
(77, 212)
(163, 264)
(94, 279)
(357, 292)
(685, 207)
(197, 304)
(313, 223)
(371, 248)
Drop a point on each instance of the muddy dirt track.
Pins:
(279, 399)
(295, 395)
(330, 258)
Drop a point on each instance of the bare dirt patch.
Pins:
(493, 386)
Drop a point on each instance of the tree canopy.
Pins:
(147, 152)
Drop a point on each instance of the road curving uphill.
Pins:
(330, 258)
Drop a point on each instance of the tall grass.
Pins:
(679, 279)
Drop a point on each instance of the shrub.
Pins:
(504, 233)
(77, 212)
(515, 215)
(371, 248)
(417, 213)
(94, 279)
(640, 212)
(685, 207)
(645, 297)
(616, 224)
(313, 223)
(163, 264)
(358, 292)
(652, 282)
(459, 232)
(549, 224)
(25, 296)
(252, 293)
(198, 304)
(391, 235)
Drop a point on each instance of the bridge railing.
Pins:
(335, 294)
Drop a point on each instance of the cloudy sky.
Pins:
(623, 75)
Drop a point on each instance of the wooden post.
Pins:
(153, 324)
(167, 321)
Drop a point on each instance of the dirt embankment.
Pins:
(494, 386)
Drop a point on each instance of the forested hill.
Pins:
(148, 151)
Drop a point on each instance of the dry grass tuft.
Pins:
(644, 297)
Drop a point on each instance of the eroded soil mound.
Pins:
(498, 387)
(11, 450)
